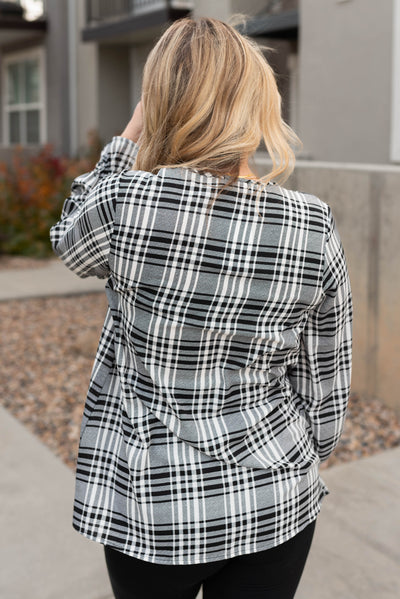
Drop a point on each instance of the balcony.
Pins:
(124, 21)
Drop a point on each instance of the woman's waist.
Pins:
(260, 427)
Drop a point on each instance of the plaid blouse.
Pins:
(222, 373)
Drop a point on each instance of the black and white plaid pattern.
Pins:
(222, 373)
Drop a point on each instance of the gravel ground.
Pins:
(47, 354)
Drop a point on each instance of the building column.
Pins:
(73, 78)
(86, 89)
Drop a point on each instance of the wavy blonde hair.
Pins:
(209, 97)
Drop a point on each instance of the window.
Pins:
(23, 76)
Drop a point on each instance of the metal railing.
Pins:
(104, 10)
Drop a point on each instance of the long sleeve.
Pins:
(323, 372)
(82, 236)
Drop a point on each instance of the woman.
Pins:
(222, 373)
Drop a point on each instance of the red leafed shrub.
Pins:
(32, 192)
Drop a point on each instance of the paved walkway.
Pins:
(355, 553)
(54, 279)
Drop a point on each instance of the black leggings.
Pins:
(271, 574)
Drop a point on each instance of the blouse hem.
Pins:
(219, 556)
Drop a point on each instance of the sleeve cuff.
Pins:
(121, 152)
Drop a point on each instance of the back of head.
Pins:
(209, 97)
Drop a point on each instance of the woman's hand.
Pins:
(134, 128)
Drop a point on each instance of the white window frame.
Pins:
(395, 124)
(16, 57)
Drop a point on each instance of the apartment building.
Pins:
(72, 66)
(73, 69)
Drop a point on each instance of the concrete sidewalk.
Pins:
(54, 279)
(355, 553)
(41, 556)
(356, 548)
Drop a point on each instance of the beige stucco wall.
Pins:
(365, 202)
(223, 9)
(345, 79)
(211, 8)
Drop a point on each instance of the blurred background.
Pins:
(70, 76)
(72, 66)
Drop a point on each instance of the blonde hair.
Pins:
(209, 97)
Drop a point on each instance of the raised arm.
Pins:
(82, 236)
